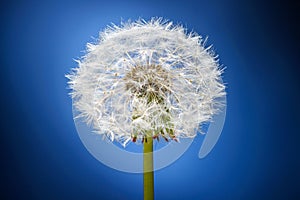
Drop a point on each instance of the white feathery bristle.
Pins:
(112, 86)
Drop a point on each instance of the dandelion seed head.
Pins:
(147, 79)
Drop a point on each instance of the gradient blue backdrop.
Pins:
(256, 157)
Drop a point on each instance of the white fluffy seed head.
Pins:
(147, 78)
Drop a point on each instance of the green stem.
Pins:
(148, 169)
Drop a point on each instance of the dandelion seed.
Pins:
(147, 79)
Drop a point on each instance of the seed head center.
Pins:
(151, 82)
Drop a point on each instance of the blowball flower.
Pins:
(147, 79)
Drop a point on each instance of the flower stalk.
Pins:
(148, 169)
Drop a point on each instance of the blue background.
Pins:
(257, 156)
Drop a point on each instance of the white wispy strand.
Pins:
(100, 88)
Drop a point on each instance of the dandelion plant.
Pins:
(145, 81)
